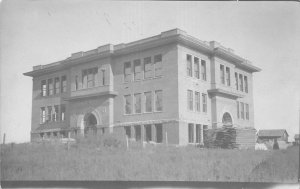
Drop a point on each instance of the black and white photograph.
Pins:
(155, 91)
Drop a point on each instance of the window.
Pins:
(57, 85)
(64, 84)
(189, 68)
(190, 99)
(158, 65)
(238, 109)
(148, 68)
(242, 110)
(148, 133)
(49, 111)
(236, 81)
(62, 112)
(198, 133)
(227, 76)
(44, 88)
(158, 100)
(91, 77)
(127, 71)
(128, 104)
(55, 113)
(222, 74)
(203, 70)
(247, 111)
(204, 102)
(84, 79)
(197, 101)
(191, 133)
(246, 84)
(159, 133)
(43, 115)
(241, 82)
(128, 131)
(103, 76)
(76, 82)
(50, 87)
(148, 101)
(196, 67)
(138, 103)
(138, 132)
(138, 75)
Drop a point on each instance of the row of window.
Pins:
(241, 82)
(225, 71)
(89, 77)
(242, 110)
(147, 69)
(190, 101)
(54, 86)
(196, 68)
(133, 103)
(196, 129)
(52, 113)
(149, 132)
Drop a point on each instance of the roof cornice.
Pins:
(176, 36)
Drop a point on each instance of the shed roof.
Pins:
(271, 133)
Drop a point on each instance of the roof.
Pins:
(271, 133)
(296, 136)
(211, 48)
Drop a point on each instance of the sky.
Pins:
(37, 32)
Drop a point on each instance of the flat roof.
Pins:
(176, 35)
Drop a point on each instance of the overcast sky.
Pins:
(40, 32)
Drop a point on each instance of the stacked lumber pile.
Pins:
(230, 138)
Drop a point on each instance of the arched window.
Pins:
(227, 120)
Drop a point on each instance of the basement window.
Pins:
(138, 132)
(148, 133)
(198, 133)
(128, 131)
(191, 132)
(159, 133)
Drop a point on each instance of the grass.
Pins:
(108, 159)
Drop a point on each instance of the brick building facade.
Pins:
(167, 87)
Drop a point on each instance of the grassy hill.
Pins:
(109, 159)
